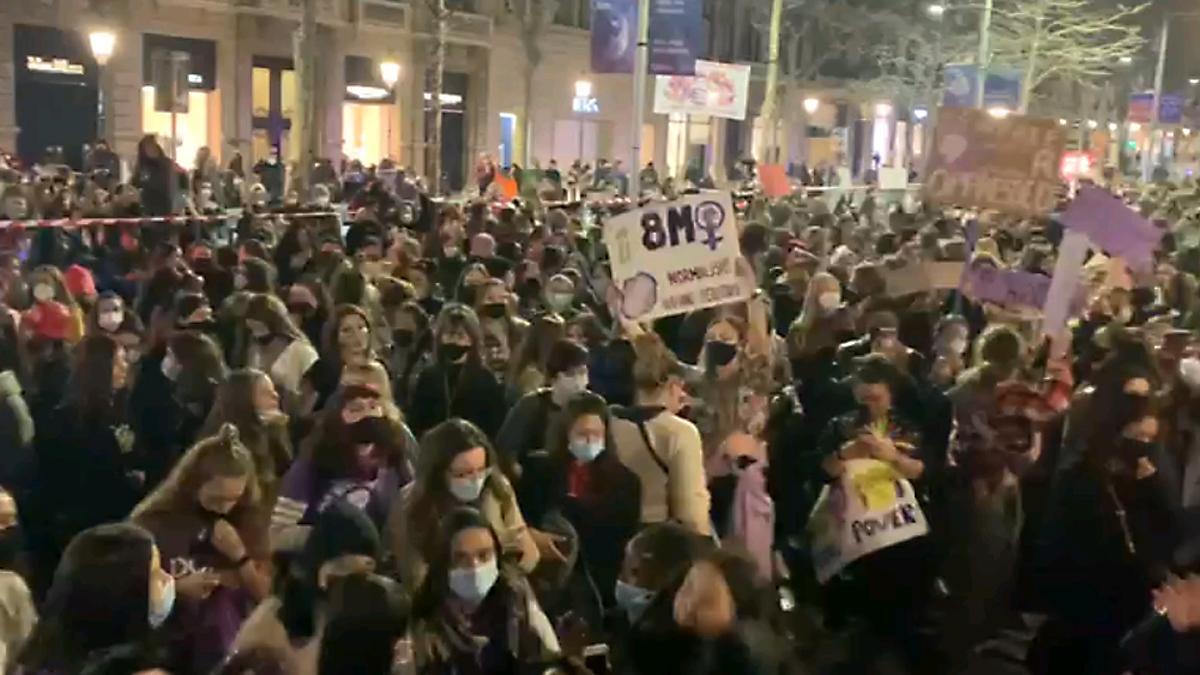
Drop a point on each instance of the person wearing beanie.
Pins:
(343, 544)
(81, 285)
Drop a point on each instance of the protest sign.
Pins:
(868, 509)
(673, 257)
(1008, 164)
(1064, 286)
(1011, 288)
(944, 275)
(774, 179)
(922, 278)
(1111, 225)
(718, 89)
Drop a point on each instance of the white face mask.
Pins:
(171, 367)
(829, 301)
(472, 584)
(1189, 372)
(110, 321)
(586, 450)
(467, 490)
(43, 292)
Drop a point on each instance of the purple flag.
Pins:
(1111, 225)
(614, 35)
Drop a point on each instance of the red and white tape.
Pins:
(69, 223)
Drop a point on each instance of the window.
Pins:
(574, 13)
(467, 6)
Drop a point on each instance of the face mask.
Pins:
(719, 353)
(452, 351)
(494, 310)
(239, 281)
(474, 583)
(171, 367)
(560, 301)
(566, 386)
(586, 450)
(159, 614)
(43, 292)
(633, 599)
(450, 251)
(110, 321)
(828, 302)
(1189, 372)
(467, 490)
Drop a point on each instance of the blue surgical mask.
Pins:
(633, 599)
(474, 583)
(159, 613)
(467, 490)
(586, 450)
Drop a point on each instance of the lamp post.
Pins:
(103, 43)
(583, 91)
(389, 72)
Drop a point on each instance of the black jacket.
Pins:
(468, 391)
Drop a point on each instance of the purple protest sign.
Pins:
(1013, 288)
(614, 35)
(1111, 225)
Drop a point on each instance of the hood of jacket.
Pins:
(9, 384)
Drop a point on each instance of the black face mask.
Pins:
(494, 310)
(12, 545)
(1132, 449)
(452, 352)
(403, 338)
(719, 353)
(367, 430)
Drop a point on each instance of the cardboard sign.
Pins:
(1111, 225)
(893, 178)
(673, 257)
(1011, 288)
(775, 182)
(928, 276)
(1008, 164)
(868, 509)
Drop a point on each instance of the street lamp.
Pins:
(1092, 124)
(1126, 60)
(103, 44)
(935, 10)
(811, 105)
(389, 72)
(583, 91)
(883, 109)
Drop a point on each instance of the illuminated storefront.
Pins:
(200, 125)
(370, 128)
(273, 92)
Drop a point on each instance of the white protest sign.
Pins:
(1062, 297)
(868, 509)
(674, 257)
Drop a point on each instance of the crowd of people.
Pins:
(424, 441)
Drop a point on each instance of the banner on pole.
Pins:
(1001, 89)
(717, 89)
(673, 257)
(1008, 164)
(676, 37)
(1141, 106)
(614, 35)
(868, 509)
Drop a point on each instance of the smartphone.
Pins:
(595, 658)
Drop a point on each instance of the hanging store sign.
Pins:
(585, 105)
(54, 66)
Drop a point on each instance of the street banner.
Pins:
(676, 36)
(717, 89)
(1064, 285)
(1141, 106)
(775, 181)
(1002, 88)
(673, 257)
(1111, 225)
(1008, 164)
(614, 35)
(868, 509)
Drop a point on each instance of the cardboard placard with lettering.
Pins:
(1007, 164)
(673, 257)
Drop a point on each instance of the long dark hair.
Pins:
(535, 348)
(90, 391)
(588, 403)
(367, 613)
(435, 587)
(329, 335)
(202, 367)
(430, 492)
(455, 317)
(330, 447)
(100, 598)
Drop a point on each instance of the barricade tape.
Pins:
(69, 223)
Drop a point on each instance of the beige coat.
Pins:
(498, 504)
(681, 492)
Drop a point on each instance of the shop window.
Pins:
(191, 128)
(261, 88)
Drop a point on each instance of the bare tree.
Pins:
(433, 154)
(533, 16)
(1067, 40)
(306, 57)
